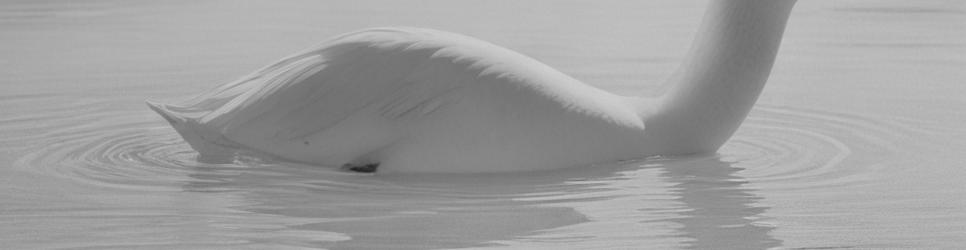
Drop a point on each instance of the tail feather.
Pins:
(166, 113)
(192, 131)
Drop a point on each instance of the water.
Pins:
(856, 142)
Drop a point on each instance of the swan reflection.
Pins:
(722, 210)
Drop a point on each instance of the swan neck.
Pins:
(722, 75)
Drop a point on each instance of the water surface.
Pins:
(856, 142)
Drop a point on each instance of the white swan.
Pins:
(420, 100)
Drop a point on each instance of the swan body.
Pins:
(421, 100)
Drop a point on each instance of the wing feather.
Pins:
(398, 72)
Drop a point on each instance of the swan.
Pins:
(413, 100)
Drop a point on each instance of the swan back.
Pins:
(360, 92)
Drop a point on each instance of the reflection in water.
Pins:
(323, 207)
(721, 211)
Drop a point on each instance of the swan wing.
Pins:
(396, 72)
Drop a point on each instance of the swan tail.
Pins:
(166, 113)
(198, 137)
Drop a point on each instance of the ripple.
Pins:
(790, 147)
(799, 148)
(122, 155)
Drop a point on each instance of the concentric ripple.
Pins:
(129, 149)
(800, 148)
(94, 142)
(137, 154)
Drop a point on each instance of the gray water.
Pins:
(857, 141)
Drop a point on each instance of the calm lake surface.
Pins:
(858, 141)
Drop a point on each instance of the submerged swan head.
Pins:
(419, 100)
